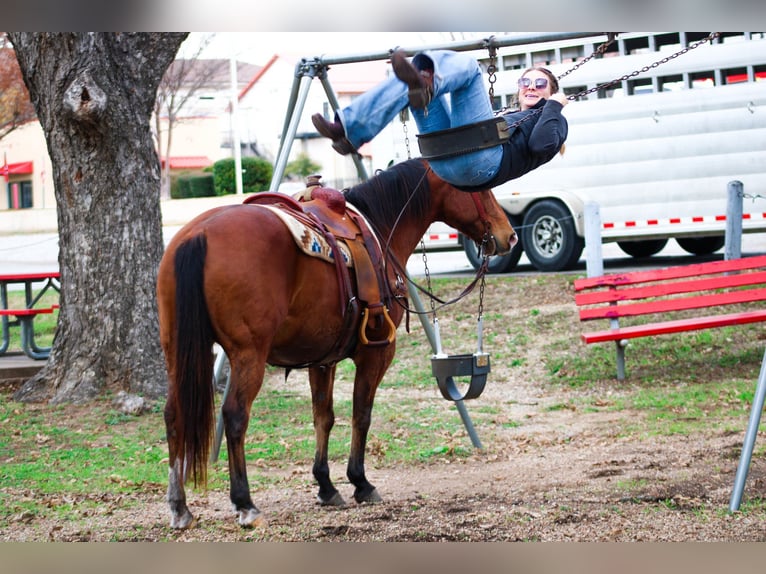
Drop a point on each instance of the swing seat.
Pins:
(446, 367)
(464, 139)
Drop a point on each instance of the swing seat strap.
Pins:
(464, 139)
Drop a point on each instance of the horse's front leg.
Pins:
(371, 365)
(246, 381)
(321, 380)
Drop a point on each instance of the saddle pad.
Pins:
(310, 241)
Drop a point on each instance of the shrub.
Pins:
(192, 186)
(302, 167)
(256, 175)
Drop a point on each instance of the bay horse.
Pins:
(235, 276)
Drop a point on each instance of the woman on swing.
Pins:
(423, 84)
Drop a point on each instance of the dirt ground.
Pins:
(564, 474)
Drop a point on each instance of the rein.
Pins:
(402, 271)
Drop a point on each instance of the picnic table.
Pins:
(35, 286)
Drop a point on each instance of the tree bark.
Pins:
(94, 95)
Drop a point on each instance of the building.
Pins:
(205, 131)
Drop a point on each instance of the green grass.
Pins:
(679, 384)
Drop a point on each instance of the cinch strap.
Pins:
(464, 139)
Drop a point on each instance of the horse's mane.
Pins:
(401, 190)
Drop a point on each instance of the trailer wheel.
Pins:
(497, 263)
(645, 248)
(549, 237)
(701, 245)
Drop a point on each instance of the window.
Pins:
(672, 83)
(701, 80)
(543, 58)
(734, 75)
(637, 87)
(514, 62)
(637, 45)
(576, 90)
(572, 54)
(669, 42)
(20, 195)
(732, 37)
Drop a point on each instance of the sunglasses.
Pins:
(540, 83)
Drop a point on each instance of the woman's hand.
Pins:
(560, 98)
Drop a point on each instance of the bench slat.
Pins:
(674, 326)
(26, 312)
(682, 304)
(680, 272)
(664, 289)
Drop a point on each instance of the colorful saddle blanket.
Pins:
(311, 241)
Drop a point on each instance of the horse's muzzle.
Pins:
(496, 246)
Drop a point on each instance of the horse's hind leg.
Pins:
(246, 381)
(180, 516)
(321, 380)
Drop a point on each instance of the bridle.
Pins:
(401, 271)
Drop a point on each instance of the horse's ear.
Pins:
(563, 149)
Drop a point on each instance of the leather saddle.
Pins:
(364, 302)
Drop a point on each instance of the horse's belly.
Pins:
(313, 343)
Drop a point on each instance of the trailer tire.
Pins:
(643, 248)
(550, 238)
(701, 245)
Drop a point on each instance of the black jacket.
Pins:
(533, 142)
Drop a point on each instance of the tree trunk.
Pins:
(94, 94)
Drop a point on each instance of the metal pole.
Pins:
(747, 446)
(431, 336)
(220, 363)
(594, 260)
(289, 136)
(235, 126)
(733, 238)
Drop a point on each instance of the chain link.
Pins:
(751, 196)
(492, 72)
(611, 37)
(403, 118)
(427, 273)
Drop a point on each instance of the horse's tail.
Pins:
(194, 361)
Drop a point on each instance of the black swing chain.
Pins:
(709, 38)
(492, 72)
(600, 50)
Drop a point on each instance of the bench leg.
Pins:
(28, 340)
(749, 444)
(620, 346)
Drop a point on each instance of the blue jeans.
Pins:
(456, 74)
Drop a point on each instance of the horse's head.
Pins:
(475, 214)
(403, 200)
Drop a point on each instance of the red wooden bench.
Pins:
(664, 293)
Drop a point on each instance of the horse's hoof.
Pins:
(251, 518)
(371, 497)
(336, 500)
(182, 521)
